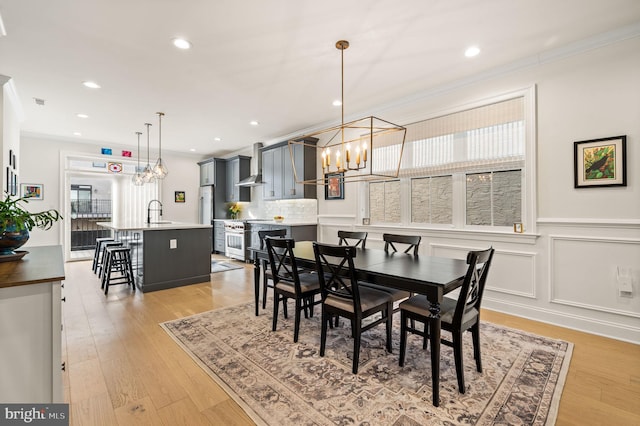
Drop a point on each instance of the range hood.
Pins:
(256, 168)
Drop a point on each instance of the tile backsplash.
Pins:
(292, 210)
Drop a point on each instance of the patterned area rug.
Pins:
(278, 382)
(223, 265)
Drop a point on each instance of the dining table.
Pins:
(431, 276)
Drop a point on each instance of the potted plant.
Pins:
(16, 222)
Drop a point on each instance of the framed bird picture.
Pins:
(600, 162)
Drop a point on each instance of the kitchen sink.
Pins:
(161, 222)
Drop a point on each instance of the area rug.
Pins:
(223, 265)
(278, 382)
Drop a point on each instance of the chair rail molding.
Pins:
(590, 222)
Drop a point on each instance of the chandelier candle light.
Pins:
(352, 153)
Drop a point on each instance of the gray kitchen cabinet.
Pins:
(278, 172)
(207, 172)
(272, 173)
(238, 168)
(212, 172)
(218, 236)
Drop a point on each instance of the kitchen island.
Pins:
(166, 254)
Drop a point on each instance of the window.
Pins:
(465, 169)
(432, 200)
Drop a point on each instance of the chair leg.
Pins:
(276, 300)
(457, 354)
(296, 324)
(425, 339)
(265, 282)
(323, 334)
(357, 329)
(389, 327)
(403, 337)
(475, 334)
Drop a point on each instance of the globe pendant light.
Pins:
(137, 177)
(160, 170)
(147, 174)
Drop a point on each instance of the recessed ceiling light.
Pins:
(80, 115)
(217, 139)
(91, 84)
(181, 43)
(337, 102)
(472, 51)
(192, 149)
(254, 123)
(77, 134)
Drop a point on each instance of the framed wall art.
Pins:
(334, 186)
(34, 191)
(600, 162)
(179, 197)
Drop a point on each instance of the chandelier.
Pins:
(365, 149)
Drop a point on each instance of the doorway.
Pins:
(90, 203)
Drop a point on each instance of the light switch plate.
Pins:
(173, 244)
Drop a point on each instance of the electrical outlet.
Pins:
(173, 244)
(625, 282)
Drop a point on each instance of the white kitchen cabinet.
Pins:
(31, 327)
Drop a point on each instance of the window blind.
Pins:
(490, 135)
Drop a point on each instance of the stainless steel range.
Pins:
(237, 239)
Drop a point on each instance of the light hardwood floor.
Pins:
(123, 369)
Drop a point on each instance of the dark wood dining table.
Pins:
(429, 275)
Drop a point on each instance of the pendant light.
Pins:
(147, 174)
(160, 170)
(137, 177)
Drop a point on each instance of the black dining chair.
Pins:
(411, 241)
(266, 272)
(352, 238)
(289, 283)
(456, 316)
(342, 296)
(390, 242)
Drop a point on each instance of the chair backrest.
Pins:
(356, 239)
(412, 241)
(271, 233)
(473, 286)
(282, 261)
(336, 273)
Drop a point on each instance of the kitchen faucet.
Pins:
(149, 210)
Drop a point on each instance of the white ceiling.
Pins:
(272, 61)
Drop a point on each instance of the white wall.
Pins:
(41, 163)
(566, 273)
(9, 129)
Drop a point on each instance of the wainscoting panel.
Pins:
(512, 272)
(581, 273)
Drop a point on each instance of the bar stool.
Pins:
(102, 262)
(98, 251)
(117, 268)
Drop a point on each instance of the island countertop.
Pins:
(153, 226)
